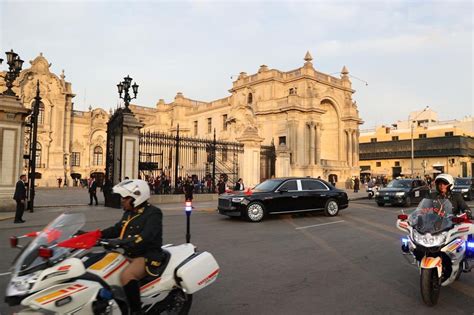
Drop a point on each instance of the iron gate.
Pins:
(174, 157)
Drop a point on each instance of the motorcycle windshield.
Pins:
(60, 229)
(432, 216)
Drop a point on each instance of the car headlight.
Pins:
(429, 240)
(238, 199)
(400, 194)
(465, 189)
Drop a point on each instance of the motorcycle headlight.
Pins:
(400, 194)
(377, 193)
(237, 199)
(429, 240)
(24, 283)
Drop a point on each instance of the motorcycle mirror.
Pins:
(402, 216)
(13, 241)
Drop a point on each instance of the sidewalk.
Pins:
(362, 194)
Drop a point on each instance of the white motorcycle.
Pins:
(438, 243)
(59, 273)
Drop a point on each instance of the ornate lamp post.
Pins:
(14, 67)
(124, 88)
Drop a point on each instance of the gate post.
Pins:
(130, 154)
(251, 164)
(282, 167)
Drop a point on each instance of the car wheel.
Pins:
(255, 212)
(380, 204)
(407, 202)
(332, 208)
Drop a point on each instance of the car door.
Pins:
(315, 194)
(286, 197)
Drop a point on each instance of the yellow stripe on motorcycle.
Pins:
(432, 262)
(104, 262)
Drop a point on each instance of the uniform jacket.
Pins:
(459, 205)
(93, 187)
(143, 228)
(20, 191)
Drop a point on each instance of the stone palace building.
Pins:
(309, 116)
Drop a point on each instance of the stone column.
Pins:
(251, 161)
(12, 117)
(354, 148)
(282, 164)
(311, 143)
(130, 145)
(349, 147)
(318, 143)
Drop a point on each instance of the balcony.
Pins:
(427, 147)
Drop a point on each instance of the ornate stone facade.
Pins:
(309, 116)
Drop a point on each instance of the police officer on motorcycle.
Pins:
(444, 183)
(139, 233)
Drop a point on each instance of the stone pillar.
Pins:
(354, 148)
(12, 117)
(130, 145)
(251, 160)
(282, 165)
(349, 148)
(318, 143)
(311, 143)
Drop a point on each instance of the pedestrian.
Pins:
(188, 189)
(60, 180)
(20, 198)
(356, 184)
(221, 186)
(239, 185)
(93, 192)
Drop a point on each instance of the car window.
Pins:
(290, 185)
(313, 185)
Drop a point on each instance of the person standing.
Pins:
(356, 184)
(20, 197)
(239, 186)
(188, 189)
(93, 191)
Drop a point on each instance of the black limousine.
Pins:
(284, 195)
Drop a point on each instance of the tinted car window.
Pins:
(397, 183)
(462, 181)
(268, 185)
(290, 185)
(313, 185)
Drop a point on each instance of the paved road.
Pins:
(291, 264)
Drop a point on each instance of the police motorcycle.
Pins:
(438, 242)
(371, 191)
(61, 272)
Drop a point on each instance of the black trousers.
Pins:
(20, 208)
(93, 195)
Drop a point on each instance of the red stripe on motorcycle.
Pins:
(115, 269)
(150, 284)
(63, 296)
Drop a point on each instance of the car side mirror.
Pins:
(282, 190)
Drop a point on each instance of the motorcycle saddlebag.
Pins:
(196, 272)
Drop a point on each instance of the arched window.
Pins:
(38, 154)
(250, 98)
(41, 114)
(97, 160)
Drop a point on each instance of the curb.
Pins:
(7, 218)
(358, 198)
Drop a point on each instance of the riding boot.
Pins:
(132, 291)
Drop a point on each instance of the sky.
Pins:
(412, 54)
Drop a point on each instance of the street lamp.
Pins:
(412, 146)
(14, 67)
(124, 88)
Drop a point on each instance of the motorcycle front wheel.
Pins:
(430, 286)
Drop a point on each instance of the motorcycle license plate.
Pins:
(385, 198)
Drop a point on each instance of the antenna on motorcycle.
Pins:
(188, 208)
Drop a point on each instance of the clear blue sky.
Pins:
(412, 53)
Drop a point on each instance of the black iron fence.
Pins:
(167, 160)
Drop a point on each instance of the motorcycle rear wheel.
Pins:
(178, 304)
(430, 286)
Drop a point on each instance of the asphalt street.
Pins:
(287, 264)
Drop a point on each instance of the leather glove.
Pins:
(118, 243)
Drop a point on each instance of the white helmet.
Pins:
(448, 179)
(136, 188)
